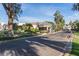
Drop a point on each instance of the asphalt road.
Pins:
(48, 45)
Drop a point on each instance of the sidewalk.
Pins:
(68, 47)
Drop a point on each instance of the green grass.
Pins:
(76, 33)
(75, 45)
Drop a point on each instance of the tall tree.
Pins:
(76, 24)
(13, 10)
(59, 21)
(75, 6)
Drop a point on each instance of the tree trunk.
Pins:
(10, 27)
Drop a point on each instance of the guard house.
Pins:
(44, 27)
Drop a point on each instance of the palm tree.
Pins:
(13, 10)
(76, 7)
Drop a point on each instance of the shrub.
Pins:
(34, 30)
(3, 33)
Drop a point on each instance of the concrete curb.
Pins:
(22, 38)
(26, 37)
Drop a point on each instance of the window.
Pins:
(42, 28)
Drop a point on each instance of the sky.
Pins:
(38, 12)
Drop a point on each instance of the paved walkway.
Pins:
(48, 45)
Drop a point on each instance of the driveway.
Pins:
(47, 45)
